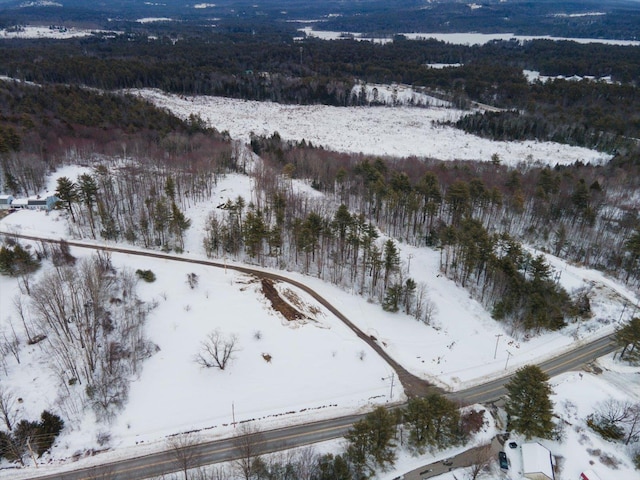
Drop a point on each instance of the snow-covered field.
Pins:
(61, 33)
(317, 369)
(468, 38)
(395, 131)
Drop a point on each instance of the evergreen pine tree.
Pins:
(371, 442)
(88, 192)
(67, 192)
(529, 407)
(391, 260)
(628, 337)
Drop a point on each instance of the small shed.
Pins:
(537, 462)
(5, 202)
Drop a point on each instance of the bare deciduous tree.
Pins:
(8, 411)
(622, 415)
(481, 458)
(215, 472)
(613, 411)
(306, 461)
(21, 310)
(182, 447)
(10, 343)
(246, 445)
(217, 350)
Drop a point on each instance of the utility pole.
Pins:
(392, 377)
(233, 415)
(31, 452)
(495, 353)
(624, 307)
(507, 362)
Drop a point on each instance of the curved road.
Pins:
(273, 440)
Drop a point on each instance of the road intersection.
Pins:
(211, 452)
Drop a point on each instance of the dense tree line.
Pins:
(586, 113)
(431, 422)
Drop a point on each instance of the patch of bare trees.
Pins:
(93, 322)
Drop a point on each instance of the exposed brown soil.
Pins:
(278, 303)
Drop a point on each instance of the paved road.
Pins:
(571, 360)
(158, 464)
(274, 440)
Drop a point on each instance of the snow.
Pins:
(534, 76)
(577, 15)
(46, 32)
(468, 38)
(316, 362)
(396, 94)
(440, 66)
(40, 3)
(154, 19)
(394, 131)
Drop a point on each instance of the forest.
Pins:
(273, 65)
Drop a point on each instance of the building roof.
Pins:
(536, 459)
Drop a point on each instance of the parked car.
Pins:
(504, 463)
(513, 444)
(448, 462)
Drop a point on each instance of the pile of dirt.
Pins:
(278, 303)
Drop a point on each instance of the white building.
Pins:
(537, 462)
(35, 202)
(5, 202)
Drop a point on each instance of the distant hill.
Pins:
(614, 19)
